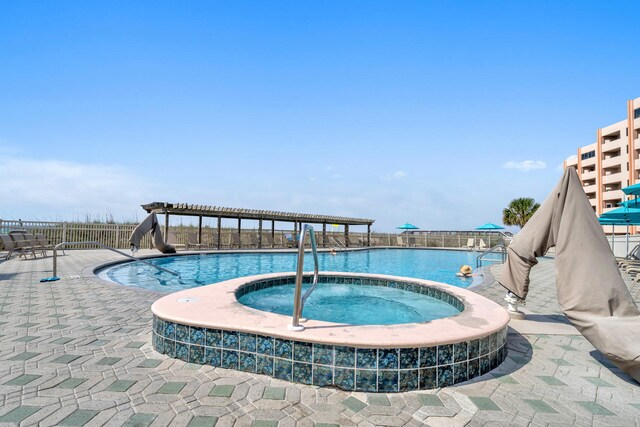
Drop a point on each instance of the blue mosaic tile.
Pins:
(213, 356)
(409, 380)
(344, 378)
(460, 351)
(484, 346)
(159, 347)
(283, 369)
(302, 352)
(302, 373)
(283, 348)
(247, 362)
(493, 339)
(485, 365)
(196, 336)
(264, 365)
(170, 348)
(387, 380)
(345, 356)
(460, 372)
(323, 354)
(265, 345)
(428, 357)
(494, 360)
(182, 333)
(230, 340)
(474, 368)
(196, 354)
(366, 380)
(247, 342)
(408, 358)
(322, 375)
(229, 359)
(213, 338)
(170, 330)
(388, 358)
(182, 351)
(445, 354)
(474, 349)
(445, 376)
(428, 378)
(366, 358)
(159, 325)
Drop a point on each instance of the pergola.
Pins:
(184, 209)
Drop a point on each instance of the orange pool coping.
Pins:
(216, 307)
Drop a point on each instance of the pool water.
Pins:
(353, 304)
(204, 269)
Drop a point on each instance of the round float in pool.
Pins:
(365, 332)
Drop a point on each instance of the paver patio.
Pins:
(78, 352)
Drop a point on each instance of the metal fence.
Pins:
(117, 236)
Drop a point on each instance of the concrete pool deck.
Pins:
(78, 352)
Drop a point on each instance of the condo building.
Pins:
(612, 162)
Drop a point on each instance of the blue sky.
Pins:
(398, 111)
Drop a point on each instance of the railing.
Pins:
(117, 235)
(60, 245)
(299, 299)
(500, 249)
(341, 246)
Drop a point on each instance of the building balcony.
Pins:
(612, 195)
(613, 161)
(585, 176)
(613, 178)
(614, 145)
(589, 162)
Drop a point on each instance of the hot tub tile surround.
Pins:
(349, 368)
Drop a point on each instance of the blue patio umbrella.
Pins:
(407, 226)
(620, 216)
(490, 226)
(632, 190)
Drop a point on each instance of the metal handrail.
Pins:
(339, 244)
(299, 299)
(499, 248)
(59, 245)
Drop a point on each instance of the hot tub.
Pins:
(209, 325)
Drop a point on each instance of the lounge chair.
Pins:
(270, 241)
(482, 245)
(192, 242)
(35, 243)
(236, 240)
(172, 239)
(46, 243)
(8, 245)
(22, 244)
(471, 243)
(255, 240)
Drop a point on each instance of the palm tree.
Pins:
(519, 211)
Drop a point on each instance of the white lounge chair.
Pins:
(471, 242)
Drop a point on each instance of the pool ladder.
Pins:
(299, 299)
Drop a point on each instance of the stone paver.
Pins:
(78, 351)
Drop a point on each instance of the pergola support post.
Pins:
(273, 233)
(346, 235)
(260, 234)
(200, 229)
(368, 234)
(219, 232)
(324, 234)
(240, 233)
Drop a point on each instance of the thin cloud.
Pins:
(54, 187)
(393, 176)
(525, 165)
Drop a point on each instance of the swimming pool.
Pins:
(203, 269)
